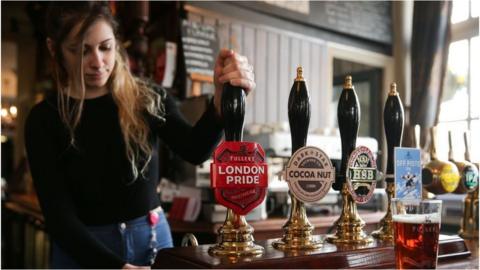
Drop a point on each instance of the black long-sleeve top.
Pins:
(88, 184)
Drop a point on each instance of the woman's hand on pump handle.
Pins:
(233, 68)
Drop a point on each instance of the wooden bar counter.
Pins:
(454, 253)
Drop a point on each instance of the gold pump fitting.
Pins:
(348, 83)
(393, 89)
(299, 77)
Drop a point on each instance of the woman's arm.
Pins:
(63, 225)
(193, 143)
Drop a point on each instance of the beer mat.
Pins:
(408, 173)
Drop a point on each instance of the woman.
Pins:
(90, 146)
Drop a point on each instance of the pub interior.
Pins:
(411, 68)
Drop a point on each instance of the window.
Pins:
(460, 108)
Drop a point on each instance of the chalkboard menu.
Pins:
(371, 20)
(200, 47)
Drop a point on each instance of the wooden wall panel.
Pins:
(236, 37)
(313, 84)
(275, 55)
(272, 78)
(305, 62)
(249, 52)
(223, 27)
(284, 81)
(260, 67)
(295, 59)
(326, 95)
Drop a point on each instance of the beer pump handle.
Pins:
(299, 112)
(348, 114)
(393, 124)
(467, 145)
(233, 111)
(417, 136)
(433, 146)
(450, 146)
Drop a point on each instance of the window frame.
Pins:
(465, 30)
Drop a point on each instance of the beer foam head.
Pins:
(417, 218)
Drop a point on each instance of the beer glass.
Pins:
(416, 229)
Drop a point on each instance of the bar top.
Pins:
(453, 253)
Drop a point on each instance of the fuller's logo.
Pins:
(361, 174)
(310, 174)
(239, 175)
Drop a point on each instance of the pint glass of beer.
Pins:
(416, 231)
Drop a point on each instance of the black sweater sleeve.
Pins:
(62, 223)
(193, 143)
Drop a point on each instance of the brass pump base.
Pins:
(297, 244)
(298, 230)
(236, 238)
(385, 232)
(469, 226)
(349, 225)
(238, 249)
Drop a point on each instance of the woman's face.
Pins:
(98, 54)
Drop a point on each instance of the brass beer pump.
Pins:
(298, 230)
(349, 227)
(236, 235)
(469, 224)
(393, 124)
(468, 172)
(439, 176)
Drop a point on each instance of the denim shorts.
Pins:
(131, 240)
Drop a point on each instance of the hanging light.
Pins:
(13, 111)
(4, 112)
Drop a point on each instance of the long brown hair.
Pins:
(133, 97)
